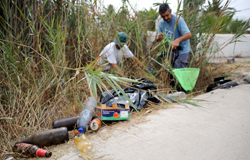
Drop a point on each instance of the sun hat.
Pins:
(121, 39)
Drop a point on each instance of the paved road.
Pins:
(219, 130)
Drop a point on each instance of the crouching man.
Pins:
(114, 52)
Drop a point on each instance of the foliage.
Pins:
(48, 51)
(235, 26)
(151, 15)
(44, 51)
(215, 7)
(204, 22)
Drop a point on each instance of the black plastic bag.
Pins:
(138, 94)
(174, 54)
(221, 83)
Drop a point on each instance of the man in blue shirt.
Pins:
(179, 35)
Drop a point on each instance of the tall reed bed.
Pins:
(47, 50)
(48, 53)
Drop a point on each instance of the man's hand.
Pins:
(137, 61)
(175, 44)
(116, 68)
(159, 37)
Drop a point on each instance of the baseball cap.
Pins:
(121, 39)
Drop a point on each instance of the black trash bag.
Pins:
(226, 85)
(145, 85)
(174, 54)
(138, 97)
(221, 83)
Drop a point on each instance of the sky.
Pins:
(242, 6)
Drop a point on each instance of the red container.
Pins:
(30, 150)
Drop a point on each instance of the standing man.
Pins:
(114, 52)
(180, 35)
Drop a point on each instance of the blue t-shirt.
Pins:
(181, 29)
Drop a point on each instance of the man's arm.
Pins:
(180, 39)
(159, 37)
(183, 30)
(137, 61)
(129, 54)
(116, 68)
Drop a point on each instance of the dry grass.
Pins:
(38, 67)
(135, 118)
(245, 68)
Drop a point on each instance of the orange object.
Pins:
(95, 124)
(116, 115)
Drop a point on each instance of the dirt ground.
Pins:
(219, 129)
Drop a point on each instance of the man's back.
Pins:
(113, 55)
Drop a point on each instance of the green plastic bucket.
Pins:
(187, 77)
